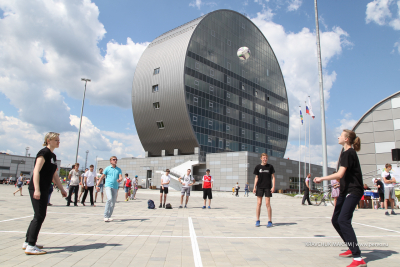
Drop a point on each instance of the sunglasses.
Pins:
(115, 159)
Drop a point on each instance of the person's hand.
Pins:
(36, 195)
(63, 193)
(80, 183)
(98, 189)
(272, 189)
(163, 187)
(254, 190)
(86, 187)
(317, 180)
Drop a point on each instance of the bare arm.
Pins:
(120, 178)
(273, 183)
(307, 184)
(36, 176)
(212, 184)
(334, 176)
(100, 179)
(255, 184)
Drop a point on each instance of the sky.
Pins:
(47, 46)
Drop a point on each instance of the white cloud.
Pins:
(196, 3)
(294, 5)
(378, 11)
(16, 135)
(47, 46)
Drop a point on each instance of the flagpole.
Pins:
(305, 144)
(309, 142)
(299, 152)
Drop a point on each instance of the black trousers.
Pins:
(341, 220)
(75, 189)
(237, 192)
(39, 209)
(306, 196)
(89, 189)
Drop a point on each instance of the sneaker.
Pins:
(209, 207)
(67, 205)
(83, 204)
(269, 224)
(34, 250)
(387, 213)
(76, 205)
(160, 206)
(93, 205)
(203, 207)
(106, 219)
(110, 219)
(258, 223)
(163, 205)
(357, 263)
(127, 199)
(49, 204)
(393, 213)
(180, 207)
(346, 254)
(185, 207)
(25, 244)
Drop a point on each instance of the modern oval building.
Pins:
(379, 131)
(190, 90)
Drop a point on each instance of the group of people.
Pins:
(349, 175)
(386, 189)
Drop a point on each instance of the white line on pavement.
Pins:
(377, 227)
(195, 245)
(16, 218)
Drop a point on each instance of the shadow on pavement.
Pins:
(376, 254)
(282, 224)
(79, 247)
(126, 220)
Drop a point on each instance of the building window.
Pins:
(212, 33)
(160, 124)
(4, 168)
(156, 71)
(243, 147)
(227, 143)
(210, 123)
(211, 72)
(197, 65)
(211, 104)
(256, 80)
(228, 66)
(228, 128)
(256, 93)
(279, 128)
(195, 99)
(243, 132)
(243, 88)
(256, 136)
(228, 95)
(243, 116)
(243, 26)
(228, 80)
(194, 118)
(267, 72)
(211, 89)
(269, 125)
(228, 42)
(209, 140)
(196, 83)
(256, 149)
(155, 88)
(221, 144)
(228, 110)
(243, 73)
(256, 120)
(156, 105)
(26, 173)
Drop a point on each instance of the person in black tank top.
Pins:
(351, 191)
(44, 172)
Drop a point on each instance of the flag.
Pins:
(301, 116)
(309, 109)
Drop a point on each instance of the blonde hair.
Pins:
(264, 155)
(50, 135)
(354, 140)
(113, 157)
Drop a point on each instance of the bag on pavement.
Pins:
(150, 204)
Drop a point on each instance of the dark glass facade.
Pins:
(235, 105)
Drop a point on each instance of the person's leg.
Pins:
(304, 198)
(40, 209)
(182, 195)
(16, 191)
(308, 197)
(114, 193)
(269, 209)
(335, 216)
(258, 208)
(161, 197)
(187, 200)
(344, 221)
(76, 190)
(165, 198)
(209, 202)
(20, 190)
(70, 189)
(107, 213)
(95, 197)
(91, 195)
(84, 196)
(334, 201)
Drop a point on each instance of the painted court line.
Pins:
(211, 237)
(377, 227)
(16, 218)
(195, 245)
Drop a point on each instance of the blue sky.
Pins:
(49, 45)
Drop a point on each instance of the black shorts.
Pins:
(207, 192)
(260, 192)
(381, 197)
(165, 190)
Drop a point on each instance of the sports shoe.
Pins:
(106, 219)
(357, 263)
(269, 224)
(209, 207)
(110, 219)
(393, 213)
(346, 254)
(83, 204)
(127, 199)
(163, 206)
(258, 223)
(387, 213)
(25, 244)
(180, 207)
(160, 206)
(185, 207)
(34, 250)
(203, 207)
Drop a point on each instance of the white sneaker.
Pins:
(26, 244)
(34, 250)
(110, 219)
(106, 219)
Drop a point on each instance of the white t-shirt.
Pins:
(165, 179)
(134, 181)
(90, 178)
(74, 177)
(83, 179)
(388, 176)
(187, 180)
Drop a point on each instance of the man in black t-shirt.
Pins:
(264, 185)
(380, 187)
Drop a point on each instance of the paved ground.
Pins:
(222, 236)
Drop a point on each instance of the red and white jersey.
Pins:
(207, 181)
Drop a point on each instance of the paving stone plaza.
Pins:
(222, 236)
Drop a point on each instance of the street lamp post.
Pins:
(80, 123)
(27, 149)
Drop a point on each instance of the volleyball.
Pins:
(243, 53)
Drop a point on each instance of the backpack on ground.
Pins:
(168, 206)
(150, 204)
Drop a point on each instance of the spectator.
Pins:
(335, 190)
(237, 187)
(20, 183)
(380, 187)
(389, 187)
(246, 189)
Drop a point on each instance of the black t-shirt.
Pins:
(264, 173)
(352, 182)
(47, 171)
(380, 189)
